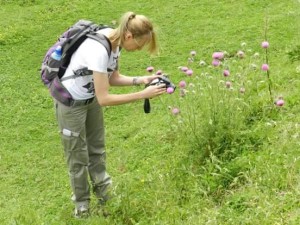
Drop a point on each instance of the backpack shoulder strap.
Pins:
(105, 42)
(102, 39)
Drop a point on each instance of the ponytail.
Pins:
(139, 26)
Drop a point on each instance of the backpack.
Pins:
(52, 70)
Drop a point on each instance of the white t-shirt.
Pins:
(93, 55)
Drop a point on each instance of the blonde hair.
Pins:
(139, 26)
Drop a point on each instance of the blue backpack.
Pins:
(52, 70)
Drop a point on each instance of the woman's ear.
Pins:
(128, 35)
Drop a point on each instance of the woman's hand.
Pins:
(153, 90)
(148, 79)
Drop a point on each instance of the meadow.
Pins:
(220, 150)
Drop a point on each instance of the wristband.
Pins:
(134, 81)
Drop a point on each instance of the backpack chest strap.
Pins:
(78, 73)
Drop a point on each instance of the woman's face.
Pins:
(132, 44)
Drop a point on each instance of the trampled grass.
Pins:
(226, 158)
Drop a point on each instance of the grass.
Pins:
(165, 169)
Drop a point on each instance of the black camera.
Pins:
(157, 81)
(162, 80)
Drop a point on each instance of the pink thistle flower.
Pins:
(150, 69)
(189, 72)
(158, 72)
(279, 102)
(216, 62)
(170, 90)
(265, 67)
(265, 44)
(175, 111)
(184, 68)
(218, 55)
(226, 73)
(182, 84)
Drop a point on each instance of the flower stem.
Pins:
(267, 60)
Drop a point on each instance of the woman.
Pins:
(81, 125)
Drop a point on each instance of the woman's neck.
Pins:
(114, 42)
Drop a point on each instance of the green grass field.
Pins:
(226, 158)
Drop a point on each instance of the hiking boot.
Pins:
(81, 212)
(102, 201)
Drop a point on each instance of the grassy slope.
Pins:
(155, 179)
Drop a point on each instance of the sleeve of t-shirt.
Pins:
(95, 56)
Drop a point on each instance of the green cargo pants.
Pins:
(82, 134)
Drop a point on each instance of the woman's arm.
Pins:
(118, 79)
(102, 84)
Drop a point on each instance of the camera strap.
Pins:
(147, 107)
